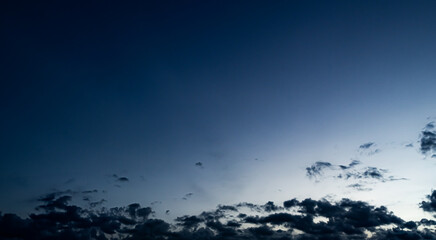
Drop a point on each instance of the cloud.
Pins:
(344, 219)
(199, 164)
(351, 172)
(351, 165)
(369, 173)
(120, 179)
(368, 148)
(366, 145)
(373, 172)
(90, 191)
(187, 196)
(429, 206)
(359, 187)
(361, 176)
(428, 141)
(316, 169)
(97, 203)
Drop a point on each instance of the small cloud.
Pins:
(351, 165)
(167, 212)
(409, 145)
(366, 145)
(96, 204)
(373, 172)
(123, 179)
(359, 187)
(199, 164)
(90, 191)
(187, 196)
(316, 169)
(120, 179)
(428, 139)
(368, 148)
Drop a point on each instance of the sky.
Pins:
(183, 106)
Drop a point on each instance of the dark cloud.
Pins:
(373, 172)
(290, 203)
(345, 219)
(428, 141)
(120, 179)
(227, 208)
(426, 222)
(123, 179)
(271, 207)
(429, 206)
(199, 164)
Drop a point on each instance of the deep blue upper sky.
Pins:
(145, 89)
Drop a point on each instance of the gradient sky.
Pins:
(255, 91)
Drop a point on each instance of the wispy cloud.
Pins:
(316, 169)
(351, 172)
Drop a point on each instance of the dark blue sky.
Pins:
(254, 90)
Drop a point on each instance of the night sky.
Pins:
(218, 120)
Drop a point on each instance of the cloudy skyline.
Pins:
(142, 114)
